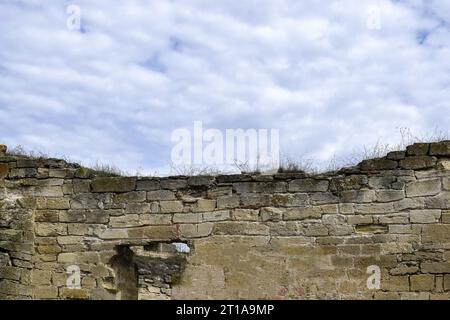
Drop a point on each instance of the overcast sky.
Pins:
(331, 75)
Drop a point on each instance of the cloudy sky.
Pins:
(331, 75)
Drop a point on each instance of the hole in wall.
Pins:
(126, 273)
(149, 271)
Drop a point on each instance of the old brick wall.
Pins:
(283, 236)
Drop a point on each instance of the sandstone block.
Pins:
(395, 283)
(308, 185)
(441, 201)
(418, 149)
(163, 195)
(270, 214)
(358, 196)
(44, 229)
(204, 205)
(389, 195)
(45, 292)
(245, 214)
(147, 184)
(436, 233)
(113, 184)
(200, 181)
(227, 202)
(156, 219)
(418, 162)
(153, 232)
(374, 208)
(378, 165)
(195, 230)
(422, 282)
(289, 200)
(173, 184)
(423, 188)
(171, 206)
(74, 294)
(425, 216)
(187, 218)
(41, 277)
(435, 267)
(301, 213)
(396, 155)
(216, 216)
(134, 196)
(440, 148)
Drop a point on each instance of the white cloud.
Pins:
(139, 69)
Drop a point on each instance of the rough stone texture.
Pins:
(282, 236)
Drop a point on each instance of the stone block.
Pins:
(245, 214)
(216, 216)
(270, 214)
(173, 184)
(162, 195)
(187, 218)
(198, 181)
(358, 196)
(302, 213)
(153, 232)
(378, 165)
(389, 195)
(74, 294)
(289, 200)
(423, 188)
(447, 282)
(396, 155)
(374, 208)
(308, 185)
(436, 233)
(395, 283)
(422, 282)
(440, 148)
(441, 201)
(44, 229)
(195, 230)
(171, 206)
(418, 149)
(418, 163)
(204, 205)
(41, 277)
(425, 216)
(227, 202)
(147, 184)
(435, 267)
(359, 219)
(113, 184)
(45, 292)
(156, 219)
(134, 196)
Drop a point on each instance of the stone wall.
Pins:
(282, 236)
